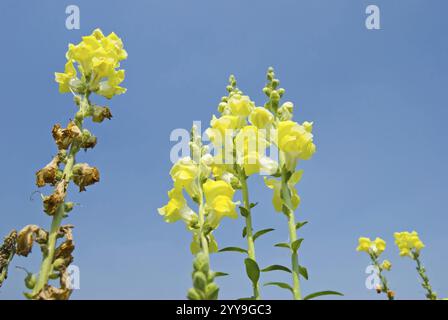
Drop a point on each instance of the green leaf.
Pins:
(262, 232)
(233, 249)
(303, 272)
(276, 267)
(244, 232)
(300, 224)
(244, 212)
(248, 298)
(282, 245)
(252, 270)
(296, 244)
(253, 205)
(220, 274)
(280, 285)
(322, 293)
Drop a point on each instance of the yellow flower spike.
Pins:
(97, 58)
(240, 106)
(64, 78)
(408, 242)
(218, 196)
(177, 208)
(261, 118)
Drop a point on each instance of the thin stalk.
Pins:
(384, 285)
(204, 242)
(47, 261)
(249, 231)
(431, 295)
(286, 195)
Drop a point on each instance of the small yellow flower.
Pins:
(386, 265)
(408, 242)
(64, 78)
(295, 139)
(376, 247)
(240, 106)
(177, 208)
(218, 196)
(184, 173)
(261, 118)
(220, 128)
(276, 186)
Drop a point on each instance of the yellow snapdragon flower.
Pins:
(97, 58)
(261, 118)
(377, 246)
(407, 242)
(218, 196)
(276, 185)
(220, 128)
(251, 144)
(295, 140)
(184, 173)
(240, 106)
(64, 78)
(177, 208)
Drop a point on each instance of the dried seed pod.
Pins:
(27, 236)
(84, 175)
(53, 293)
(49, 174)
(101, 113)
(65, 137)
(88, 140)
(53, 201)
(7, 251)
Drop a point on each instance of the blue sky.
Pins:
(377, 99)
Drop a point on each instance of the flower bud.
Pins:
(30, 280)
(274, 96)
(199, 281)
(193, 294)
(84, 175)
(211, 291)
(68, 206)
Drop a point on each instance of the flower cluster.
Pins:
(375, 247)
(97, 58)
(408, 243)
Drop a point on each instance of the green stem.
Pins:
(46, 266)
(384, 286)
(47, 261)
(431, 295)
(249, 231)
(288, 210)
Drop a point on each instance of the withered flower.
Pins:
(53, 293)
(49, 174)
(88, 140)
(53, 201)
(65, 137)
(7, 251)
(63, 254)
(101, 113)
(27, 236)
(84, 175)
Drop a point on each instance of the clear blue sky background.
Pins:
(378, 100)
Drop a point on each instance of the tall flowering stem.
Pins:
(410, 245)
(374, 248)
(96, 59)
